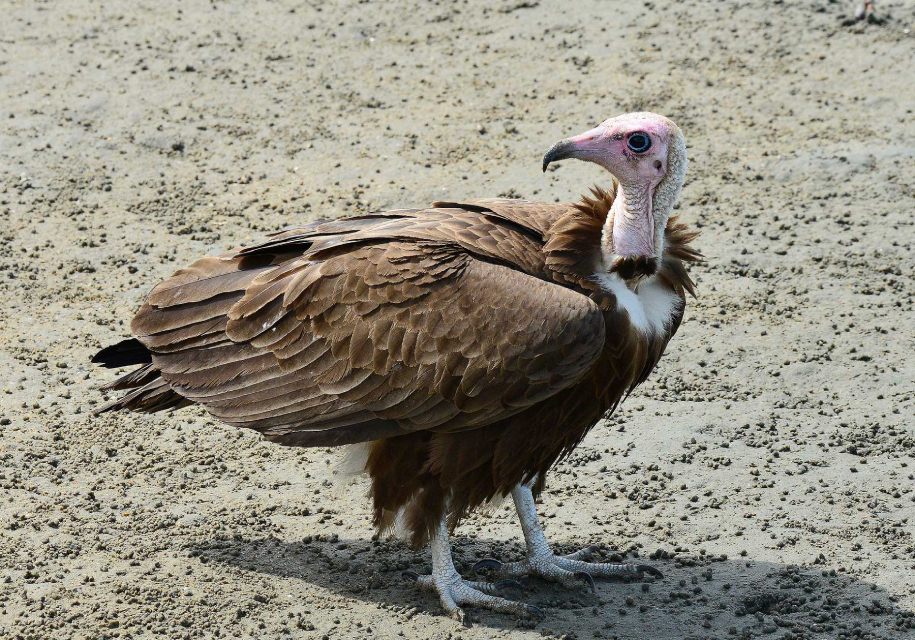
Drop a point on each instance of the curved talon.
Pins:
(460, 617)
(508, 584)
(647, 568)
(535, 612)
(583, 554)
(487, 563)
(584, 575)
(410, 575)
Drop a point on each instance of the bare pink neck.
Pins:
(633, 226)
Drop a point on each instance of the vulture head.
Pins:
(646, 153)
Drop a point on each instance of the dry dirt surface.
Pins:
(767, 466)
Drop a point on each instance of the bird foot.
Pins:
(454, 591)
(570, 570)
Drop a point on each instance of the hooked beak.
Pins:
(580, 147)
(559, 151)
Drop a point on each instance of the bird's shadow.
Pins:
(698, 597)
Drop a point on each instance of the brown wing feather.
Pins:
(373, 333)
(538, 217)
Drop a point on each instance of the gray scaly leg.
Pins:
(571, 569)
(454, 591)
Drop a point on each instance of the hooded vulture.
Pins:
(461, 350)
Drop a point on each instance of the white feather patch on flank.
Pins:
(352, 466)
(650, 307)
(400, 531)
(492, 505)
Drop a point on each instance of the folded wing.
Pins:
(346, 332)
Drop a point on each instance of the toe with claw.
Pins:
(455, 592)
(569, 569)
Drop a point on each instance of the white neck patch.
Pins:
(650, 307)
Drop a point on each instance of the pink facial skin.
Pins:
(638, 173)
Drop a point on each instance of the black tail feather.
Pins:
(123, 354)
(136, 378)
(154, 396)
(150, 392)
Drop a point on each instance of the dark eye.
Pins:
(639, 142)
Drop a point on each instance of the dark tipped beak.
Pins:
(559, 151)
(585, 146)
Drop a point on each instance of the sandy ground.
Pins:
(766, 468)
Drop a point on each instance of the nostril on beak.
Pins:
(658, 165)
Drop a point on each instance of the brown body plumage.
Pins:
(468, 343)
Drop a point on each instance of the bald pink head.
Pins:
(646, 153)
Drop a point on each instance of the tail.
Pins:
(123, 354)
(150, 392)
